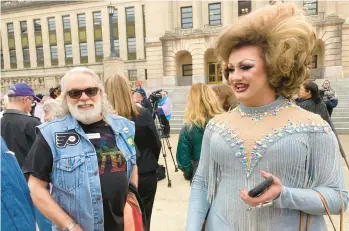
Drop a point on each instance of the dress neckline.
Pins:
(279, 102)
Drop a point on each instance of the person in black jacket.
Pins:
(18, 131)
(146, 138)
(309, 98)
(17, 126)
(143, 101)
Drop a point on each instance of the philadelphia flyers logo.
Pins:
(64, 139)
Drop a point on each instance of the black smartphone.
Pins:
(260, 188)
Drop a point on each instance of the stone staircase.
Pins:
(340, 116)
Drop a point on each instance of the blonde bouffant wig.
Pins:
(202, 106)
(287, 41)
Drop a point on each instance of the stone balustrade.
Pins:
(36, 83)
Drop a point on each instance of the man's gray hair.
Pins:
(68, 76)
(106, 106)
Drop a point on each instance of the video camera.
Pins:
(155, 96)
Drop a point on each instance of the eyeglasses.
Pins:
(76, 94)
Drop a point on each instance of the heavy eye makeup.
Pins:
(243, 66)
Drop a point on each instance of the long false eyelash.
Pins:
(246, 67)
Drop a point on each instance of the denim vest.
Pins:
(75, 173)
(17, 209)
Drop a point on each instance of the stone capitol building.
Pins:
(162, 43)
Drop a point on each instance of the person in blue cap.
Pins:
(17, 126)
(18, 130)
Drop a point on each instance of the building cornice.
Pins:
(9, 6)
(331, 20)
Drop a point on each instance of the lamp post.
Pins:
(111, 11)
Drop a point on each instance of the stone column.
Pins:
(255, 5)
(90, 37)
(332, 38)
(60, 40)
(227, 8)
(4, 46)
(18, 43)
(169, 17)
(198, 68)
(112, 66)
(197, 15)
(169, 64)
(122, 32)
(345, 48)
(139, 32)
(31, 41)
(75, 38)
(331, 8)
(45, 42)
(235, 11)
(198, 63)
(105, 32)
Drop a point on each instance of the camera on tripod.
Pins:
(155, 97)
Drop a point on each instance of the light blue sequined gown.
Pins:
(303, 153)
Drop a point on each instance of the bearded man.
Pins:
(78, 153)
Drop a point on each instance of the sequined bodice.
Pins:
(277, 138)
(249, 132)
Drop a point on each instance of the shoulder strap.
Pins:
(301, 223)
(324, 202)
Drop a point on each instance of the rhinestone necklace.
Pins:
(257, 116)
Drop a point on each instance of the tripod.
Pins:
(165, 142)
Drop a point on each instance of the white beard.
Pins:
(86, 116)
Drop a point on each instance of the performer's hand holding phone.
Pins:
(263, 193)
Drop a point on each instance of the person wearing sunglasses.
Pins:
(88, 154)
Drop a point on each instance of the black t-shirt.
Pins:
(112, 170)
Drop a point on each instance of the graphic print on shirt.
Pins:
(110, 158)
(63, 139)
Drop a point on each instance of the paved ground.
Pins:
(170, 208)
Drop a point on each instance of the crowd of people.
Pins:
(85, 157)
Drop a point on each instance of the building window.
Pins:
(97, 18)
(214, 11)
(24, 27)
(83, 53)
(68, 51)
(187, 17)
(187, 70)
(10, 29)
(272, 2)
(146, 74)
(314, 62)
(2, 60)
(26, 57)
(54, 55)
(51, 24)
(40, 56)
(130, 15)
(81, 20)
(37, 25)
(114, 17)
(13, 59)
(66, 22)
(131, 48)
(244, 7)
(99, 50)
(117, 47)
(311, 6)
(132, 75)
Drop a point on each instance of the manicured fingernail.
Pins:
(263, 173)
